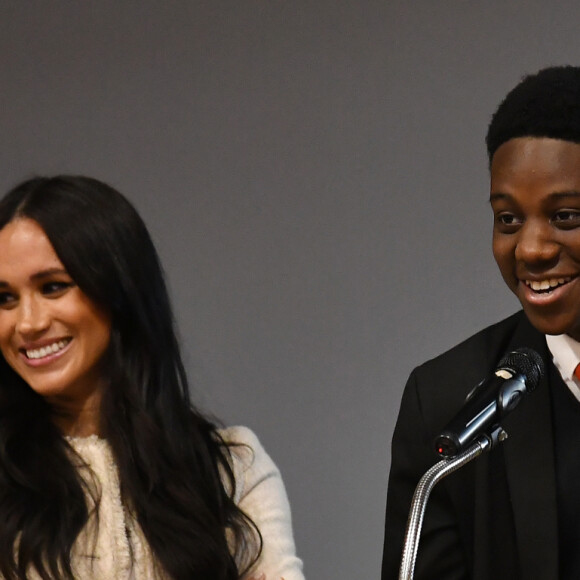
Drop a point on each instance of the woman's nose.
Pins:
(32, 316)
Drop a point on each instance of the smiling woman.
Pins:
(51, 333)
(106, 468)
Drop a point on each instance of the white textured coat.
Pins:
(116, 549)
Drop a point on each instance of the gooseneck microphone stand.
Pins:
(426, 484)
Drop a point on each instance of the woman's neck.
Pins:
(77, 418)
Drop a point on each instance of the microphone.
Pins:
(517, 374)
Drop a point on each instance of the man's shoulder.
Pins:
(493, 337)
(441, 384)
(478, 354)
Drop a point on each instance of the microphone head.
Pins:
(491, 400)
(524, 361)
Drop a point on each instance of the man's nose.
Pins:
(536, 244)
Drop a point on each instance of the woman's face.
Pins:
(51, 333)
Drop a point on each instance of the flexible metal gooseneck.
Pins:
(433, 476)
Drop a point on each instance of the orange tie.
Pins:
(577, 372)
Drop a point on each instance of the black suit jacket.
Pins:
(495, 518)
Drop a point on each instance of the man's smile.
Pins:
(547, 285)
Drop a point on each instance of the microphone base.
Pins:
(434, 475)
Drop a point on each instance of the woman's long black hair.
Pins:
(170, 457)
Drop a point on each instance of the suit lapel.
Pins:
(530, 467)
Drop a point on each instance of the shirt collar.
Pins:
(565, 353)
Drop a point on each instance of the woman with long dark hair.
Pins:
(107, 470)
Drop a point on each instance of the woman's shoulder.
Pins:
(250, 462)
(261, 494)
(239, 435)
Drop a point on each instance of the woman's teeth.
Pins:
(550, 284)
(46, 350)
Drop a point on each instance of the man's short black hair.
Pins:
(545, 104)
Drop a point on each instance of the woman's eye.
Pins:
(6, 299)
(50, 288)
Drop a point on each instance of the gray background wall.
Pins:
(314, 175)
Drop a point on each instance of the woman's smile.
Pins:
(51, 333)
(45, 353)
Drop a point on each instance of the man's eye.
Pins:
(507, 219)
(567, 216)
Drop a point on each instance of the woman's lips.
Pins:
(46, 353)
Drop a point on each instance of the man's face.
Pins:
(535, 197)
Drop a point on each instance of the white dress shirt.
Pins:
(566, 356)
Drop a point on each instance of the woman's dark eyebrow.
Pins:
(47, 273)
(40, 275)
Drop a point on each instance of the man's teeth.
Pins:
(46, 350)
(546, 284)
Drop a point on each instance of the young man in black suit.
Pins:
(513, 513)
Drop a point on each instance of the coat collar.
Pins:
(530, 467)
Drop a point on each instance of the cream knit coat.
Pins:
(104, 552)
